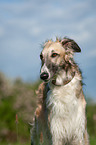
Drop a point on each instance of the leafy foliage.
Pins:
(17, 105)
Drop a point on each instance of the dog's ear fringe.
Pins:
(66, 42)
(71, 44)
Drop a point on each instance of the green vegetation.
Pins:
(17, 105)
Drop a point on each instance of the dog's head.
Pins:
(57, 57)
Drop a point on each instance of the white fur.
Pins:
(45, 69)
(67, 117)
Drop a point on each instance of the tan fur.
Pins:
(60, 116)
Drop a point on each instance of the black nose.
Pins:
(44, 76)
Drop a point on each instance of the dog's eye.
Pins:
(54, 54)
(41, 56)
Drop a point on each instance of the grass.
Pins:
(92, 140)
(17, 143)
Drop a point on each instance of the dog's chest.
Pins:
(66, 114)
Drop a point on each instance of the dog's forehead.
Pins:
(53, 47)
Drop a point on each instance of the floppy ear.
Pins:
(70, 44)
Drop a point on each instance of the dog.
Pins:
(60, 118)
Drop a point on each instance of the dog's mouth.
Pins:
(46, 77)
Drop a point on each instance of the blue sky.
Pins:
(25, 24)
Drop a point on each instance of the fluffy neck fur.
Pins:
(66, 74)
(65, 108)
